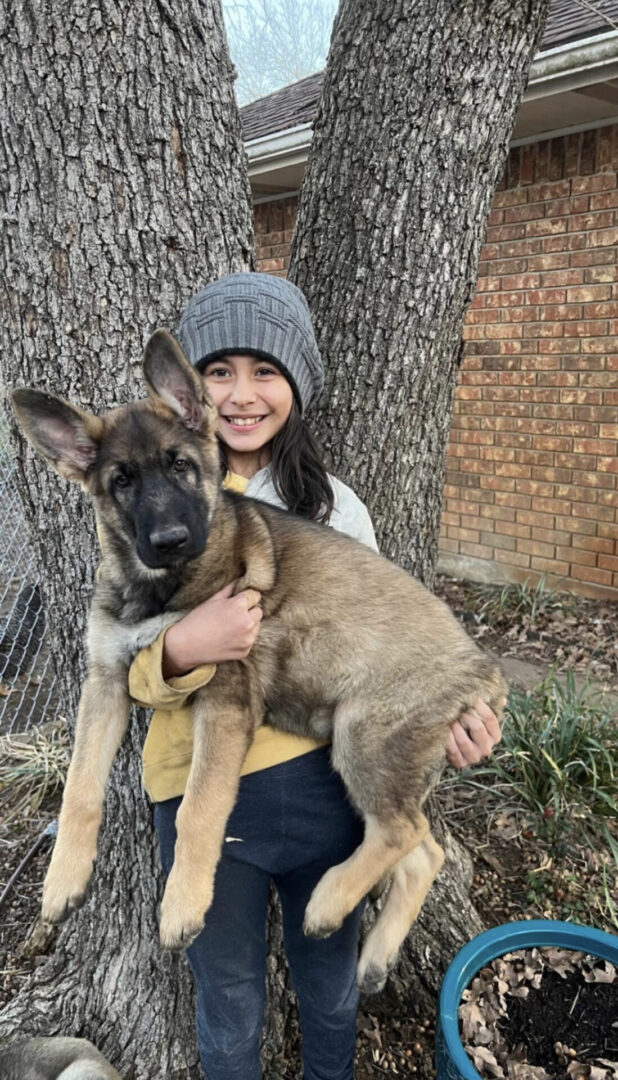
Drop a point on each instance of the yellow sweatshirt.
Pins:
(168, 748)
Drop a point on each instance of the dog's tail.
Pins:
(411, 880)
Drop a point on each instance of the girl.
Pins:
(250, 336)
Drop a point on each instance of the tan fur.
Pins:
(350, 646)
(58, 1058)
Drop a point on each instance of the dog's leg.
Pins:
(222, 733)
(101, 723)
(343, 886)
(412, 879)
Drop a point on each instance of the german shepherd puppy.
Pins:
(350, 647)
(54, 1059)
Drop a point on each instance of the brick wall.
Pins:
(532, 466)
(274, 224)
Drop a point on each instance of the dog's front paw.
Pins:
(182, 911)
(66, 886)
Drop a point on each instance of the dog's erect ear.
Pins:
(169, 376)
(67, 436)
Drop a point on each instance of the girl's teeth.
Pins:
(245, 421)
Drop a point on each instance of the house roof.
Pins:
(291, 106)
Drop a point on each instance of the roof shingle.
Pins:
(568, 21)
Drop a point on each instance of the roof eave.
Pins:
(554, 71)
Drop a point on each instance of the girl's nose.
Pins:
(242, 392)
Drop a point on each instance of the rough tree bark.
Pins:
(123, 188)
(418, 104)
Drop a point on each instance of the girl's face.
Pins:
(254, 401)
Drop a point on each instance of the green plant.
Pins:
(559, 760)
(519, 600)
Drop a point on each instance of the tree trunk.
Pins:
(124, 189)
(412, 132)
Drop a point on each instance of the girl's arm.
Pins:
(184, 657)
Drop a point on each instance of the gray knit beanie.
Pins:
(256, 314)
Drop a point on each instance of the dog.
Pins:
(350, 648)
(54, 1059)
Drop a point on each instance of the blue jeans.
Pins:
(290, 824)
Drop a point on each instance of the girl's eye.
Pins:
(217, 372)
(181, 464)
(266, 371)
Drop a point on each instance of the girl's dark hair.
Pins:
(299, 474)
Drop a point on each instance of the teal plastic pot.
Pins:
(452, 1062)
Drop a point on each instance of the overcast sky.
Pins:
(276, 42)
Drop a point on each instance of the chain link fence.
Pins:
(28, 688)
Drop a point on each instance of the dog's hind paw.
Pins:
(182, 911)
(58, 910)
(178, 935)
(372, 979)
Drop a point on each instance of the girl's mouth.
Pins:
(243, 423)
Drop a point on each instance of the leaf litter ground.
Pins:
(514, 876)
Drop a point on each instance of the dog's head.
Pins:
(152, 467)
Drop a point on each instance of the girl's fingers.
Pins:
(453, 753)
(251, 597)
(488, 718)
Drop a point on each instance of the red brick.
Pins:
(576, 556)
(607, 309)
(598, 274)
(587, 328)
(476, 551)
(521, 314)
(597, 257)
(600, 182)
(547, 226)
(572, 242)
(561, 277)
(570, 524)
(497, 234)
(543, 192)
(545, 330)
(586, 222)
(512, 558)
(506, 299)
(534, 547)
(514, 197)
(518, 213)
(608, 562)
(604, 201)
(594, 543)
(590, 574)
(561, 311)
(488, 284)
(588, 294)
(510, 498)
(499, 540)
(521, 281)
(549, 566)
(558, 261)
(559, 345)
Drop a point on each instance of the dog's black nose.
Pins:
(170, 538)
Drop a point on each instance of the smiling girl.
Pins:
(250, 336)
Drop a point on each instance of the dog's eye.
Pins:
(181, 464)
(121, 480)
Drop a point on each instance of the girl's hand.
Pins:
(473, 735)
(222, 628)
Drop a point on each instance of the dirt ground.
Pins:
(514, 878)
